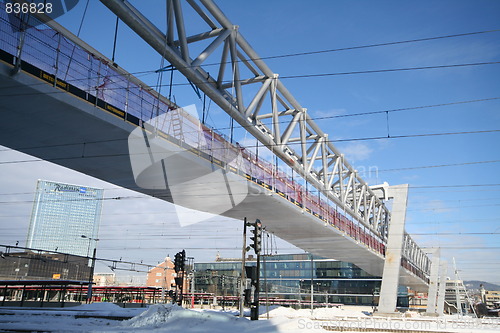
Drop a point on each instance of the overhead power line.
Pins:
(207, 195)
(158, 234)
(284, 121)
(437, 166)
(387, 70)
(453, 186)
(213, 149)
(414, 135)
(454, 190)
(457, 221)
(350, 48)
(298, 76)
(172, 212)
(405, 109)
(453, 233)
(239, 248)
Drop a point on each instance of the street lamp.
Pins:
(91, 274)
(90, 241)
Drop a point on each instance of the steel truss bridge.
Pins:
(63, 101)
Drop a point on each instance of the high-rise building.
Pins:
(65, 218)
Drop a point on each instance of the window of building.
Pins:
(158, 274)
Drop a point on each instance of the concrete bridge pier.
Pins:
(392, 265)
(432, 295)
(441, 288)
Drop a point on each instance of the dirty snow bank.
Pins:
(172, 318)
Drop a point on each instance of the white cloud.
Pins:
(356, 151)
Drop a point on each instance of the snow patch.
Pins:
(181, 319)
(319, 313)
(154, 315)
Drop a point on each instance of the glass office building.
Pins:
(290, 277)
(62, 214)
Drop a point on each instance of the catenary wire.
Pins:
(336, 49)
(298, 76)
(247, 146)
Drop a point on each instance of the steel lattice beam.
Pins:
(289, 132)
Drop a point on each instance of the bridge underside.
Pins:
(46, 122)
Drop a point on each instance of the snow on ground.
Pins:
(155, 319)
(318, 314)
(172, 318)
(48, 321)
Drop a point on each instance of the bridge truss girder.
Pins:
(284, 126)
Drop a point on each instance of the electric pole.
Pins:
(243, 278)
(91, 277)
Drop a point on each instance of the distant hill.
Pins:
(473, 284)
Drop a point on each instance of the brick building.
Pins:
(162, 276)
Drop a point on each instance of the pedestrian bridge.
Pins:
(64, 102)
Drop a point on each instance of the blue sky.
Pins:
(443, 216)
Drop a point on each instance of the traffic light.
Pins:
(257, 236)
(183, 260)
(179, 267)
(179, 260)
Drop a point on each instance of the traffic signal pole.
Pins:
(253, 272)
(179, 267)
(257, 246)
(243, 261)
(91, 278)
(254, 315)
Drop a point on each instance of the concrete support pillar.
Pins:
(433, 284)
(442, 288)
(392, 265)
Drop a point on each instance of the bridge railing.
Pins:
(51, 56)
